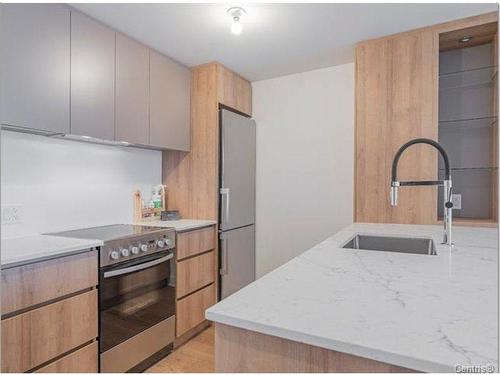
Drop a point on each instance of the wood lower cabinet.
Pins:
(35, 337)
(195, 242)
(195, 273)
(36, 283)
(80, 361)
(191, 309)
(195, 277)
(50, 316)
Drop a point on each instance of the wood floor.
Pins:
(197, 355)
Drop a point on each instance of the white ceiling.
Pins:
(277, 39)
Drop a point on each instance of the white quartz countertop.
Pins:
(30, 249)
(424, 312)
(180, 225)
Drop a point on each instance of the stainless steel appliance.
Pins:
(136, 294)
(237, 202)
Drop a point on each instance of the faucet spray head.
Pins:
(394, 194)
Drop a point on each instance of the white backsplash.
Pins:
(60, 184)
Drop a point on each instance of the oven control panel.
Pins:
(118, 251)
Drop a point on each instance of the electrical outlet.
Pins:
(456, 199)
(11, 214)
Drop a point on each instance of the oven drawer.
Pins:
(191, 309)
(36, 283)
(195, 242)
(195, 273)
(136, 349)
(82, 360)
(37, 336)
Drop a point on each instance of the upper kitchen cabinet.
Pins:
(92, 78)
(132, 91)
(234, 91)
(35, 88)
(169, 103)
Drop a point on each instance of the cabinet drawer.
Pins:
(37, 336)
(81, 360)
(29, 285)
(191, 310)
(195, 242)
(194, 273)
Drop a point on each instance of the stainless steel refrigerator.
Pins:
(237, 202)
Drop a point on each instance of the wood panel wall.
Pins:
(239, 350)
(397, 100)
(192, 177)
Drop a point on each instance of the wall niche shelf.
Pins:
(468, 78)
(461, 169)
(479, 122)
(467, 129)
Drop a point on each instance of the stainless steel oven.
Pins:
(136, 295)
(137, 311)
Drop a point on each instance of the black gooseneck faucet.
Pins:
(446, 183)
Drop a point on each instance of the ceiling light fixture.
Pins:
(236, 13)
(465, 39)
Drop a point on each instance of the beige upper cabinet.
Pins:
(169, 103)
(132, 91)
(35, 50)
(92, 78)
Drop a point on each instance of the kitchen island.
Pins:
(336, 309)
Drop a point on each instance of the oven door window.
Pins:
(135, 296)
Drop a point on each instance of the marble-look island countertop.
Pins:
(423, 312)
(30, 249)
(180, 225)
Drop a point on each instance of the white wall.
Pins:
(63, 184)
(305, 161)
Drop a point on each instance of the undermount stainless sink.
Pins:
(409, 245)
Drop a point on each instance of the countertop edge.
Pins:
(331, 344)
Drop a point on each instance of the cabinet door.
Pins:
(396, 101)
(191, 309)
(170, 97)
(92, 78)
(132, 91)
(37, 336)
(79, 361)
(195, 273)
(35, 50)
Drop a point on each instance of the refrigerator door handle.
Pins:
(223, 270)
(224, 192)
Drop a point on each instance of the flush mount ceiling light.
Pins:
(236, 13)
(465, 39)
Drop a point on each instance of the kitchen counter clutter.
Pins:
(423, 312)
(24, 250)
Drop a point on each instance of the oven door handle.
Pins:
(138, 267)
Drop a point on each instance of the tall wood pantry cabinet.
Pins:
(403, 91)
